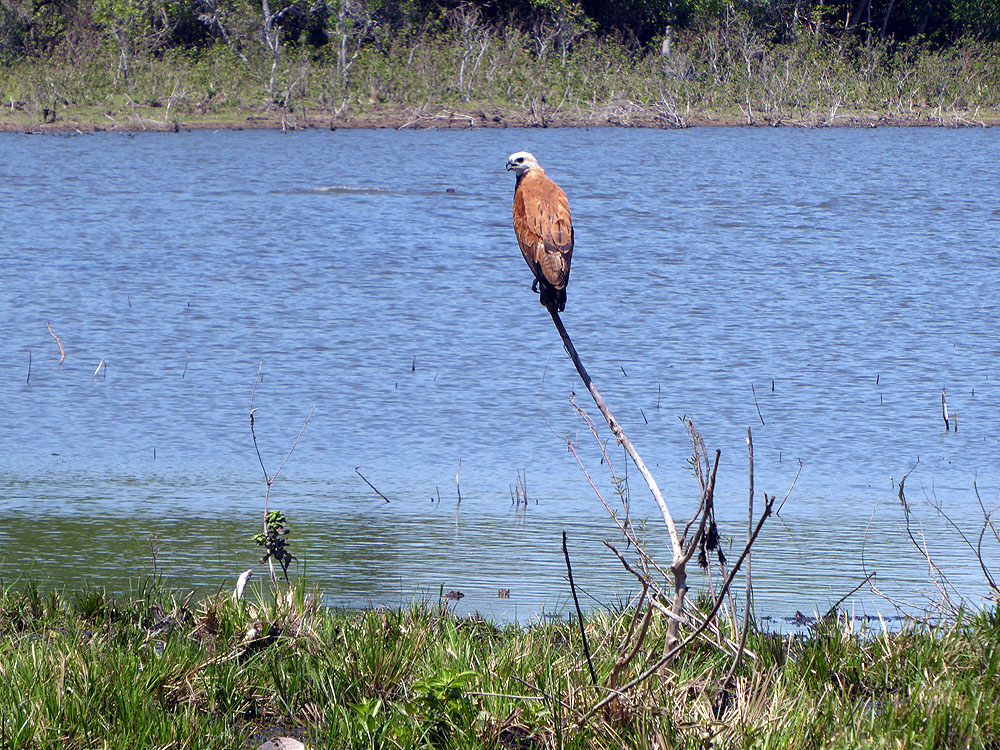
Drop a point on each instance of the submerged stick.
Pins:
(579, 614)
(370, 484)
(62, 352)
(841, 600)
(754, 391)
(28, 379)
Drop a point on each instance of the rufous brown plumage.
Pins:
(544, 229)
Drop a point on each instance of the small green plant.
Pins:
(93, 604)
(370, 719)
(274, 540)
(446, 707)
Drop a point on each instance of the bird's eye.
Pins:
(519, 159)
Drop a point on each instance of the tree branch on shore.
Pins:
(683, 547)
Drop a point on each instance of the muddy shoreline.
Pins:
(396, 118)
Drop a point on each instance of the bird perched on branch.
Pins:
(544, 229)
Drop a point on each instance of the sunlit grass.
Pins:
(148, 669)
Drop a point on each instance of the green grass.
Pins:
(713, 75)
(148, 670)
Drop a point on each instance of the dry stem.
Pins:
(62, 352)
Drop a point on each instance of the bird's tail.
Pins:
(551, 297)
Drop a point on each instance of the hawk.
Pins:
(544, 229)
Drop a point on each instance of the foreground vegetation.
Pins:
(138, 64)
(149, 670)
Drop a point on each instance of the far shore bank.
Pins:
(399, 118)
(716, 76)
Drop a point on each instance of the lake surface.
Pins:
(836, 280)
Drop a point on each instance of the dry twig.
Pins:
(62, 352)
(358, 472)
(579, 613)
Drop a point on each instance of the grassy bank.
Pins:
(505, 77)
(89, 670)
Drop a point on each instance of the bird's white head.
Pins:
(521, 162)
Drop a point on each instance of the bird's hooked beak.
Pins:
(510, 165)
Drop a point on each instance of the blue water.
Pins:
(836, 280)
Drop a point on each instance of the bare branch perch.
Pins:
(682, 550)
(619, 434)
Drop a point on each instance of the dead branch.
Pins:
(619, 434)
(624, 659)
(62, 352)
(655, 603)
(621, 483)
(977, 549)
(754, 391)
(356, 471)
(840, 601)
(579, 613)
(937, 576)
(722, 699)
(987, 523)
(677, 568)
(667, 657)
(683, 548)
(626, 527)
(790, 488)
(627, 531)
